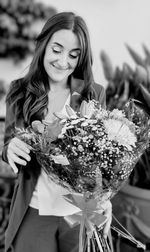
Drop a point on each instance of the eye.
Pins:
(74, 55)
(56, 49)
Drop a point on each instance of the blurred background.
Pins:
(120, 39)
(111, 25)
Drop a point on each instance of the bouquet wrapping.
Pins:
(91, 153)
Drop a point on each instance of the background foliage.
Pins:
(17, 20)
(125, 83)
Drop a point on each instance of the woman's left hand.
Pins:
(107, 206)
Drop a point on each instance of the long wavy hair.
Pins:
(30, 94)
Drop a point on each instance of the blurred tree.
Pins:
(17, 19)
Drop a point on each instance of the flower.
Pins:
(120, 132)
(87, 109)
(91, 152)
(94, 138)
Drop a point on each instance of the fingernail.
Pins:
(15, 170)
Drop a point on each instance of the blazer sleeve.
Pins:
(9, 128)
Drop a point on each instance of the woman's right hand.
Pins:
(18, 153)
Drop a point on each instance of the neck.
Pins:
(58, 86)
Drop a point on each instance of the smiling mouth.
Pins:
(59, 68)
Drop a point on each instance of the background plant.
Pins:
(125, 83)
(16, 26)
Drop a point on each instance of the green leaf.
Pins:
(141, 74)
(53, 129)
(107, 65)
(146, 94)
(127, 72)
(147, 53)
(136, 57)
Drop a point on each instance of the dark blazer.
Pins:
(27, 176)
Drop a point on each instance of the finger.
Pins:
(17, 152)
(13, 166)
(17, 159)
(29, 147)
(21, 150)
(22, 154)
(20, 144)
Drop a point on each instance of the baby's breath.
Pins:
(97, 149)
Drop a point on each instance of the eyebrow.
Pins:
(75, 49)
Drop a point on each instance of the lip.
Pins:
(60, 68)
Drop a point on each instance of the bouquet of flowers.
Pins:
(92, 153)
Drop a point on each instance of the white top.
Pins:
(48, 196)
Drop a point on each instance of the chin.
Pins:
(58, 78)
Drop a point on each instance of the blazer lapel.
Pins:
(76, 87)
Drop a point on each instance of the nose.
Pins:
(63, 61)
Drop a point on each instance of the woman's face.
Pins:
(61, 55)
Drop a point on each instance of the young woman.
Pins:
(60, 73)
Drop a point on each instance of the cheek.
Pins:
(74, 64)
(49, 58)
